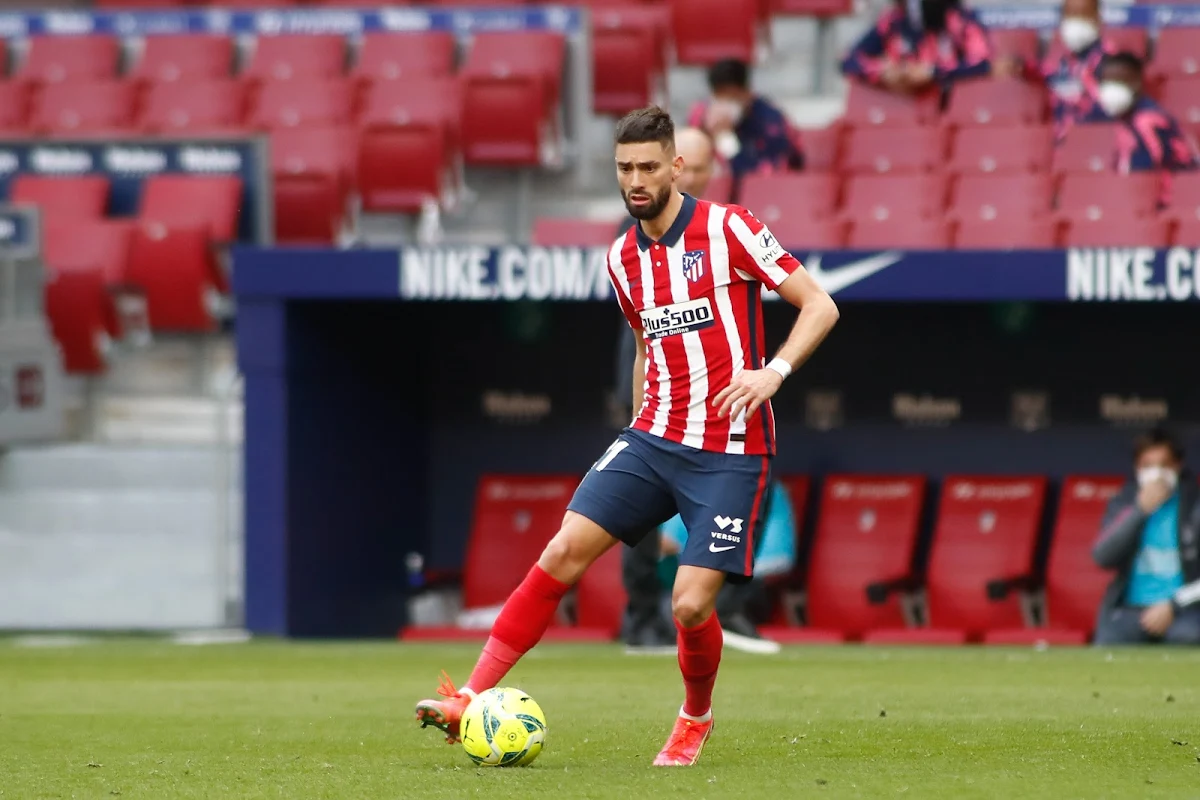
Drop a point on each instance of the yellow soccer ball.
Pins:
(503, 727)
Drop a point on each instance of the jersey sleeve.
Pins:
(616, 272)
(755, 252)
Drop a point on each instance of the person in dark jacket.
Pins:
(1151, 538)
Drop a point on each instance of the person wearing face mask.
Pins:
(1072, 77)
(1151, 538)
(918, 46)
(750, 134)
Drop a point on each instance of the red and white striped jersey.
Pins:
(695, 296)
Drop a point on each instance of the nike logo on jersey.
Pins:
(712, 547)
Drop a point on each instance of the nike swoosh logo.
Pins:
(714, 549)
(845, 275)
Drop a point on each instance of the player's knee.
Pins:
(691, 608)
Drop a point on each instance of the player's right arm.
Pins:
(620, 284)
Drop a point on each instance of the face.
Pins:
(697, 158)
(646, 172)
(1158, 456)
(1123, 74)
(1081, 9)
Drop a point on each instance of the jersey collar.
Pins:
(671, 237)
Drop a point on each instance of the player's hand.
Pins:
(747, 391)
(1157, 618)
(918, 75)
(1007, 67)
(892, 77)
(1153, 495)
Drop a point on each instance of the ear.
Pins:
(677, 167)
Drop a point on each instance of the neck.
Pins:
(656, 228)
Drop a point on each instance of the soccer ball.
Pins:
(503, 728)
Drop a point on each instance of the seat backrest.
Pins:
(400, 56)
(211, 201)
(513, 519)
(297, 56)
(1107, 195)
(564, 232)
(990, 197)
(776, 198)
(425, 101)
(987, 529)
(822, 147)
(894, 197)
(1074, 584)
(314, 151)
(1087, 148)
(1021, 42)
(82, 106)
(193, 104)
(501, 55)
(866, 533)
(1002, 150)
(286, 104)
(1185, 195)
(996, 102)
(867, 233)
(100, 245)
(1175, 53)
(868, 106)
(1007, 233)
(63, 199)
(172, 58)
(894, 150)
(57, 59)
(1116, 230)
(1181, 98)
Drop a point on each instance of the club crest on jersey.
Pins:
(693, 265)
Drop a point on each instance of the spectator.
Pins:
(1073, 78)
(749, 133)
(774, 556)
(919, 46)
(1150, 536)
(1148, 138)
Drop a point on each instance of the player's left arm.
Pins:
(766, 260)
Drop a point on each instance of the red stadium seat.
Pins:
(1133, 40)
(312, 169)
(807, 234)
(868, 233)
(624, 15)
(720, 188)
(401, 56)
(995, 102)
(560, 232)
(822, 147)
(289, 104)
(513, 519)
(600, 595)
(866, 106)
(174, 58)
(1074, 584)
(203, 106)
(813, 8)
(175, 268)
(1108, 196)
(894, 150)
(514, 54)
(1001, 197)
(1022, 43)
(1187, 233)
(79, 107)
(58, 59)
(1010, 232)
(1025, 148)
(894, 197)
(210, 202)
(625, 72)
(14, 107)
(1118, 231)
(1087, 148)
(1185, 197)
(790, 197)
(1181, 98)
(983, 550)
(707, 31)
(1175, 54)
(409, 147)
(297, 56)
(60, 199)
(866, 537)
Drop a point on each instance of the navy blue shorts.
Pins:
(642, 481)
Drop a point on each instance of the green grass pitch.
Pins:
(148, 719)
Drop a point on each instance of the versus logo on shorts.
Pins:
(672, 320)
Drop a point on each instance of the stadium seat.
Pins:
(1023, 148)
(788, 197)
(176, 269)
(625, 71)
(867, 106)
(1001, 197)
(1010, 232)
(176, 58)
(822, 147)
(995, 102)
(401, 56)
(623, 15)
(806, 234)
(870, 233)
(1087, 148)
(1021, 42)
(80, 107)
(600, 595)
(514, 517)
(1185, 197)
(812, 8)
(315, 102)
(513, 54)
(1181, 98)
(210, 202)
(720, 188)
(1108, 196)
(1118, 231)
(193, 107)
(312, 170)
(57, 59)
(14, 107)
(862, 553)
(1175, 54)
(562, 232)
(894, 150)
(60, 199)
(707, 31)
(1133, 40)
(297, 56)
(982, 554)
(1187, 233)
(409, 149)
(894, 197)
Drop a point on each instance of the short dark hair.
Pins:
(729, 72)
(1158, 437)
(650, 124)
(1124, 59)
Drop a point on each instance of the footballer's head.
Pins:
(647, 164)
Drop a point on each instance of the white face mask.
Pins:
(727, 144)
(730, 108)
(1078, 34)
(1147, 475)
(1115, 98)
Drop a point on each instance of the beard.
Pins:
(652, 209)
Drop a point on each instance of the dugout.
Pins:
(369, 418)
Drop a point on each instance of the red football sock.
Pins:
(699, 658)
(521, 624)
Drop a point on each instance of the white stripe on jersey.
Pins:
(718, 253)
(697, 410)
(655, 351)
(616, 270)
(744, 235)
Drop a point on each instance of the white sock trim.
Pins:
(468, 691)
(705, 717)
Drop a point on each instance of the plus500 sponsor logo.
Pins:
(679, 318)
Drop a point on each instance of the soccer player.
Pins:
(688, 277)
